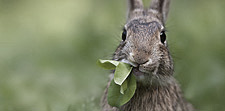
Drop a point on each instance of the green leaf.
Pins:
(121, 73)
(123, 87)
(107, 64)
(115, 98)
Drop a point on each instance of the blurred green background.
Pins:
(48, 51)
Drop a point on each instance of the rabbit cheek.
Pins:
(166, 63)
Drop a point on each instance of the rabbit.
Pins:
(144, 46)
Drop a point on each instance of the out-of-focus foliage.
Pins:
(48, 51)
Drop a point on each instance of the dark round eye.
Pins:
(124, 34)
(163, 37)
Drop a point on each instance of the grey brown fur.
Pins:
(144, 49)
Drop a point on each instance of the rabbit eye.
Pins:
(163, 37)
(124, 35)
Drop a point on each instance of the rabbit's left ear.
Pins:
(161, 7)
(135, 8)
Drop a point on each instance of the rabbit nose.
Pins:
(140, 61)
(139, 58)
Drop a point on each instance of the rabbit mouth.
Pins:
(137, 72)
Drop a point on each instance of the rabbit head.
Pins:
(144, 44)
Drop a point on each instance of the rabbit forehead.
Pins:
(143, 28)
(144, 19)
(147, 27)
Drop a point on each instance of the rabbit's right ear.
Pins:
(161, 7)
(135, 8)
